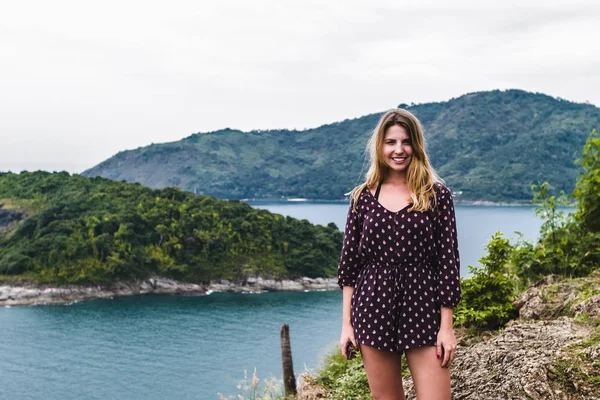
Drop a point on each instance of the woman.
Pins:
(400, 267)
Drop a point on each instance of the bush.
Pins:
(488, 294)
(15, 262)
(569, 245)
(346, 379)
(587, 190)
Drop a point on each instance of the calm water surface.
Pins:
(158, 347)
(475, 224)
(177, 347)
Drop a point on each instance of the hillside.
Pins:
(488, 145)
(73, 229)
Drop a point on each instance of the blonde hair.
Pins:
(420, 175)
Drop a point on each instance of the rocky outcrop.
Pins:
(552, 351)
(31, 293)
(591, 307)
(553, 296)
(257, 284)
(516, 364)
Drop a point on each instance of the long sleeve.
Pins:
(446, 245)
(350, 261)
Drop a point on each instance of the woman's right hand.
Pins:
(347, 336)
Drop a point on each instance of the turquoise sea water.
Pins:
(159, 347)
(178, 347)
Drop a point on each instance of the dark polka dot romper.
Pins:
(404, 266)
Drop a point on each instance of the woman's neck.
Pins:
(396, 179)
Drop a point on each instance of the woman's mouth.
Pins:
(399, 160)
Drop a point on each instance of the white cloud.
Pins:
(83, 81)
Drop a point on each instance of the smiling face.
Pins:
(397, 150)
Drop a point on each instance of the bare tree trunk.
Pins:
(289, 380)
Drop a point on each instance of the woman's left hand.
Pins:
(447, 342)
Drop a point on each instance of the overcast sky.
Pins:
(80, 81)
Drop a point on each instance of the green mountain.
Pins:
(82, 230)
(487, 145)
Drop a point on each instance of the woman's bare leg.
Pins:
(384, 372)
(432, 382)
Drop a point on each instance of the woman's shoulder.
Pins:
(361, 198)
(441, 189)
(364, 197)
(443, 197)
(363, 191)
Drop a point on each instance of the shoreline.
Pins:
(457, 202)
(29, 293)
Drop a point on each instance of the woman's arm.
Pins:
(446, 321)
(448, 273)
(446, 247)
(348, 291)
(347, 329)
(350, 262)
(348, 268)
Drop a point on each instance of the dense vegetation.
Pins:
(84, 230)
(488, 145)
(568, 246)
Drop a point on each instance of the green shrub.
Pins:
(587, 190)
(346, 379)
(569, 245)
(15, 262)
(488, 293)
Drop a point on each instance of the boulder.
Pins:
(515, 364)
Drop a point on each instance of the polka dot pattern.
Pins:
(404, 266)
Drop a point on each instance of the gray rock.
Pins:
(258, 284)
(590, 306)
(513, 365)
(29, 293)
(549, 298)
(530, 304)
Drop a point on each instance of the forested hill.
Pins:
(82, 230)
(489, 145)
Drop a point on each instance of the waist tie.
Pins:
(400, 270)
(397, 272)
(400, 273)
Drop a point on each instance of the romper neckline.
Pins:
(376, 197)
